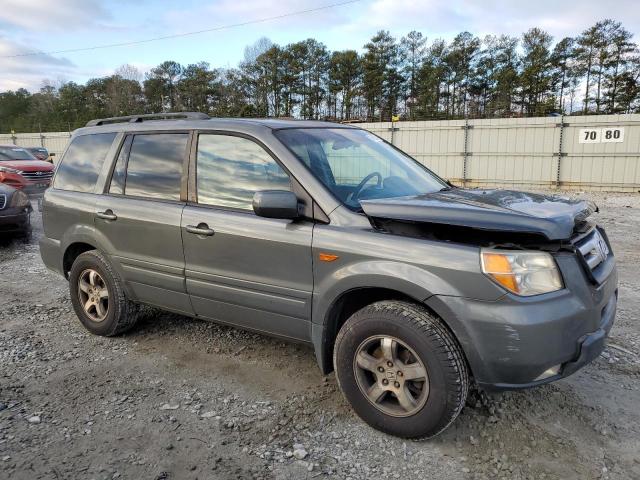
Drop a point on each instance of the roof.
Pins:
(244, 124)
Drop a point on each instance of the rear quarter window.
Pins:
(81, 165)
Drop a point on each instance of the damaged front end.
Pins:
(554, 264)
(484, 217)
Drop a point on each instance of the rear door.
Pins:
(243, 269)
(139, 216)
(69, 205)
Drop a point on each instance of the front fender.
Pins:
(410, 280)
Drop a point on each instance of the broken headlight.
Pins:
(524, 273)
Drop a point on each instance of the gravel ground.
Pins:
(180, 398)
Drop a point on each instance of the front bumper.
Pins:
(31, 188)
(14, 219)
(510, 343)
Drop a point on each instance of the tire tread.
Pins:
(127, 311)
(449, 351)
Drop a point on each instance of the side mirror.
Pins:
(276, 204)
(52, 154)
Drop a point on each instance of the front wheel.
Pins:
(401, 369)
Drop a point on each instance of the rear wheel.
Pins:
(98, 297)
(401, 369)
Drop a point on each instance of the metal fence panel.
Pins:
(602, 165)
(440, 146)
(542, 152)
(512, 152)
(55, 142)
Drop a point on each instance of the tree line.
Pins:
(596, 72)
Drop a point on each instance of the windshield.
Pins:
(15, 153)
(356, 165)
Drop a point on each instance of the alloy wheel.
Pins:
(391, 376)
(94, 295)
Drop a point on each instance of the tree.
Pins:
(413, 51)
(380, 78)
(13, 109)
(431, 81)
(198, 87)
(461, 64)
(588, 46)
(345, 74)
(564, 70)
(622, 59)
(500, 76)
(163, 79)
(535, 79)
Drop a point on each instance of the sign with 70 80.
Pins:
(601, 135)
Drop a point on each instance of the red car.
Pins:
(40, 153)
(21, 170)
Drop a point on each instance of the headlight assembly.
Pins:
(524, 273)
(9, 170)
(19, 199)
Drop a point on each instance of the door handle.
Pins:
(201, 229)
(107, 215)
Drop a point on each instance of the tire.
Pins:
(119, 313)
(424, 350)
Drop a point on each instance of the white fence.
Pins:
(582, 152)
(55, 142)
(585, 152)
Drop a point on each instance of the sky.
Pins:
(48, 26)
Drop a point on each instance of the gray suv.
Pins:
(410, 289)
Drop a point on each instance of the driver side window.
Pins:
(231, 169)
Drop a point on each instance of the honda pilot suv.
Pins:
(410, 289)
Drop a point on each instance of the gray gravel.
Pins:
(179, 398)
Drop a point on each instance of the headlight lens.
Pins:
(524, 273)
(9, 170)
(19, 199)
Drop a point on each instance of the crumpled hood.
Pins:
(497, 210)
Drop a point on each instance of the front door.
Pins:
(243, 269)
(139, 217)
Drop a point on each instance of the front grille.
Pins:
(40, 176)
(593, 249)
(3, 201)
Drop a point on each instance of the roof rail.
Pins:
(151, 116)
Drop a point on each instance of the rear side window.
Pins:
(154, 169)
(231, 169)
(81, 165)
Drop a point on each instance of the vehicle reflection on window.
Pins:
(231, 169)
(155, 163)
(81, 164)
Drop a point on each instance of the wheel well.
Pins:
(345, 306)
(71, 253)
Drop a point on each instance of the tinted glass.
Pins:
(231, 169)
(155, 165)
(356, 165)
(15, 153)
(80, 166)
